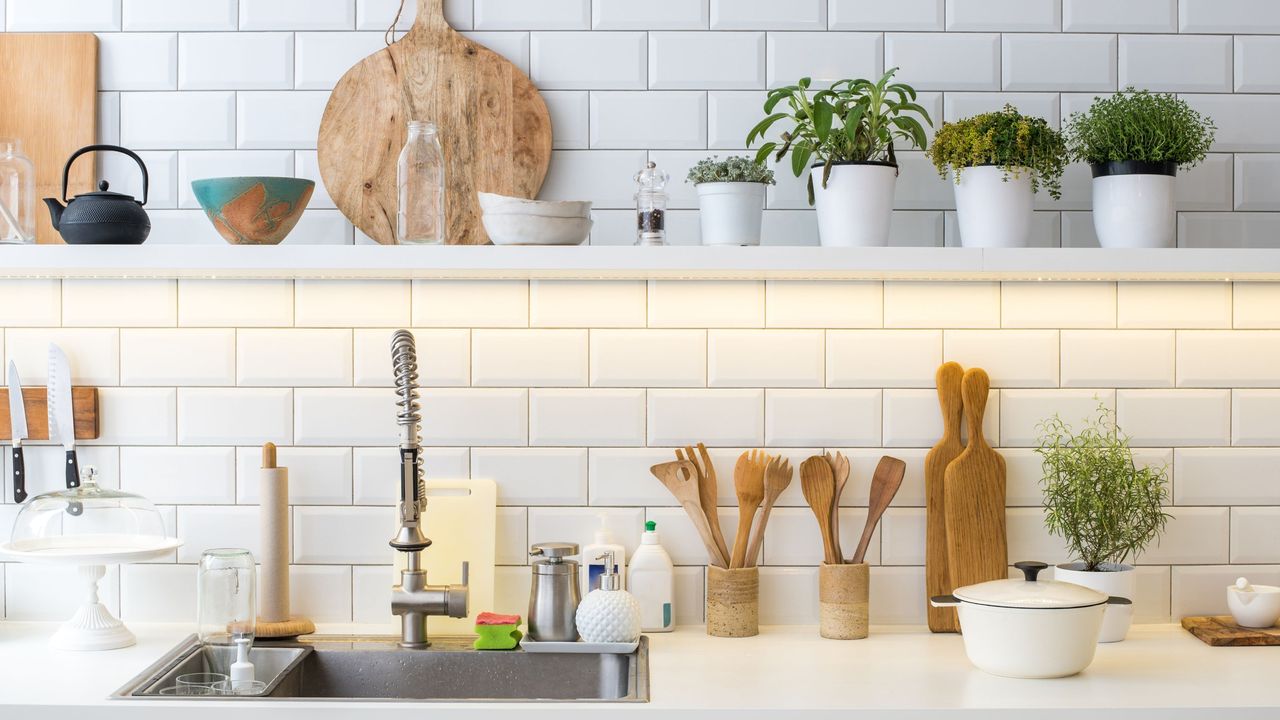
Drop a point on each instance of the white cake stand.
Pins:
(93, 627)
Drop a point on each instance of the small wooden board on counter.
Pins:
(83, 399)
(1222, 631)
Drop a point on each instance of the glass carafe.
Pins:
(420, 183)
(17, 194)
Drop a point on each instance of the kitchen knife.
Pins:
(61, 413)
(18, 423)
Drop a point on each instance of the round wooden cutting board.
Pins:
(494, 128)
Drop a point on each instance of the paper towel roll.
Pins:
(273, 528)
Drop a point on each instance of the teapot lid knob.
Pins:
(103, 185)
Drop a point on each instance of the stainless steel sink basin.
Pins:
(366, 668)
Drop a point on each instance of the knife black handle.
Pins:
(73, 470)
(19, 475)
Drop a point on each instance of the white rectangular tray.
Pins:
(533, 646)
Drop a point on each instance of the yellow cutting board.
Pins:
(461, 521)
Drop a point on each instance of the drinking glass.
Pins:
(225, 601)
(203, 683)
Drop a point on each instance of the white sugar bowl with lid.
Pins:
(1029, 628)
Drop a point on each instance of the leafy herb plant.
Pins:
(1107, 509)
(1142, 126)
(1014, 142)
(731, 169)
(852, 121)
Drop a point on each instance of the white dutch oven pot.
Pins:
(1029, 628)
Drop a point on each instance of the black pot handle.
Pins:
(66, 171)
(1117, 600)
(1030, 569)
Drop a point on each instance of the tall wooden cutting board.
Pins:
(974, 495)
(494, 127)
(49, 86)
(937, 572)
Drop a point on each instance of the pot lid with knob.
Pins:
(1031, 592)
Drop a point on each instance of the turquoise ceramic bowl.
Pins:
(253, 210)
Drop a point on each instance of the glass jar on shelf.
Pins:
(420, 218)
(651, 205)
(17, 194)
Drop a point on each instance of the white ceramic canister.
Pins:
(856, 206)
(1133, 204)
(993, 206)
(731, 212)
(1111, 579)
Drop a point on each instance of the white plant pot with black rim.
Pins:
(731, 212)
(1133, 204)
(856, 206)
(993, 206)
(1111, 579)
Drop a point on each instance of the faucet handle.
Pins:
(466, 573)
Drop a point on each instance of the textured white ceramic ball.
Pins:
(608, 616)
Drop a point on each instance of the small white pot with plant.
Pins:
(1135, 141)
(999, 160)
(844, 138)
(1106, 508)
(730, 199)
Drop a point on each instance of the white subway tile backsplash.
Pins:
(570, 112)
(1228, 358)
(475, 416)
(715, 417)
(1012, 358)
(934, 305)
(444, 358)
(579, 525)
(793, 537)
(177, 357)
(1129, 16)
(1004, 15)
(1194, 536)
(1028, 537)
(618, 60)
(471, 303)
(1225, 16)
(652, 15)
(351, 303)
(1170, 63)
(297, 15)
(587, 303)
(671, 119)
(1256, 305)
(731, 116)
(532, 14)
(681, 540)
(1256, 177)
(504, 358)
(322, 593)
(119, 303)
(1208, 186)
(1227, 230)
(788, 596)
(511, 541)
(1257, 64)
(1254, 420)
(620, 476)
(45, 463)
(768, 15)
(1059, 62)
(30, 303)
(152, 15)
(706, 303)
(1173, 305)
(240, 416)
(912, 418)
(157, 593)
(340, 416)
(1022, 412)
(1255, 535)
(639, 358)
(136, 416)
(534, 476)
(1164, 418)
(765, 358)
(835, 418)
(1240, 120)
(362, 541)
(897, 595)
(824, 56)
(1117, 358)
(600, 176)
(62, 15)
(1201, 589)
(823, 304)
(1234, 476)
(235, 61)
(300, 358)
(178, 120)
(1057, 305)
(317, 476)
(184, 476)
(52, 592)
(586, 417)
(931, 61)
(94, 354)
(375, 472)
(201, 527)
(123, 175)
(138, 61)
(324, 57)
(883, 358)
(235, 303)
(873, 15)
(279, 120)
(706, 60)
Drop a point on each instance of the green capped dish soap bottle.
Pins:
(610, 614)
(651, 578)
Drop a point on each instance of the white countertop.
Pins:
(1159, 672)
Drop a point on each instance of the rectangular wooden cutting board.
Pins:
(49, 82)
(1222, 631)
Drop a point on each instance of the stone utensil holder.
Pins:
(842, 595)
(733, 602)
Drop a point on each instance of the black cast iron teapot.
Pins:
(102, 217)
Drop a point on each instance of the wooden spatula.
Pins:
(819, 488)
(840, 470)
(748, 482)
(707, 490)
(680, 477)
(777, 478)
(974, 489)
(936, 570)
(884, 485)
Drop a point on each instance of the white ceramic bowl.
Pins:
(493, 204)
(1259, 608)
(536, 230)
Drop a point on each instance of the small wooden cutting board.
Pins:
(1222, 631)
(977, 546)
(937, 573)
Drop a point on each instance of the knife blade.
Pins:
(61, 413)
(18, 425)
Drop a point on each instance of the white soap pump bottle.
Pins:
(610, 614)
(242, 670)
(592, 558)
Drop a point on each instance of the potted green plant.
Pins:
(731, 199)
(1106, 508)
(998, 161)
(846, 136)
(1135, 141)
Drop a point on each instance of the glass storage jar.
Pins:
(226, 604)
(420, 218)
(17, 194)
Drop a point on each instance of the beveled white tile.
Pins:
(1173, 305)
(157, 593)
(1165, 418)
(511, 544)
(1012, 358)
(376, 471)
(1028, 537)
(317, 476)
(235, 61)
(862, 465)
(351, 303)
(587, 303)
(1057, 305)
(533, 14)
(1201, 589)
(1117, 358)
(444, 357)
(765, 358)
(579, 525)
(654, 15)
(1022, 411)
(534, 476)
(706, 60)
(825, 56)
(235, 303)
(837, 418)
(823, 304)
(1194, 536)
(714, 417)
(345, 416)
(235, 416)
(1256, 305)
(136, 416)
(912, 418)
(788, 596)
(619, 60)
(679, 538)
(363, 540)
(475, 416)
(586, 417)
(201, 527)
(1228, 358)
(706, 303)
(883, 358)
(641, 358)
(177, 357)
(725, 459)
(1254, 417)
(119, 303)
(528, 358)
(1255, 535)
(792, 537)
(297, 15)
(941, 305)
(30, 303)
(321, 592)
(45, 463)
(1227, 476)
(52, 592)
(298, 358)
(897, 595)
(184, 476)
(94, 354)
(902, 536)
(620, 476)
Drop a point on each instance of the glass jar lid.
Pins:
(1030, 592)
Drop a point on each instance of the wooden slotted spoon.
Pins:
(840, 470)
(707, 490)
(748, 482)
(819, 487)
(777, 478)
(680, 477)
(884, 485)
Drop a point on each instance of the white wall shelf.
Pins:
(599, 262)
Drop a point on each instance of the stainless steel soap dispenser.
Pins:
(554, 594)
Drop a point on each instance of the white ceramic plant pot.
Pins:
(993, 206)
(856, 206)
(1114, 580)
(1133, 205)
(731, 212)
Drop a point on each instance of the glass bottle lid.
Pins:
(651, 179)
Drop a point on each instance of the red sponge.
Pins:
(488, 618)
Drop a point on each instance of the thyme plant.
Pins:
(1007, 139)
(1142, 126)
(1107, 509)
(731, 169)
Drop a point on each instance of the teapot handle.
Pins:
(66, 171)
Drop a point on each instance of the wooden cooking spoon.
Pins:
(777, 478)
(680, 477)
(748, 482)
(707, 490)
(819, 487)
(884, 485)
(840, 469)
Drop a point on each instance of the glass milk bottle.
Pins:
(420, 183)
(17, 194)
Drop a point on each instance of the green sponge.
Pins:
(497, 632)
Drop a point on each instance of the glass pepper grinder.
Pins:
(651, 206)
